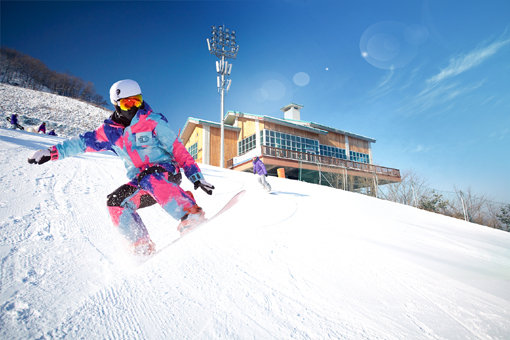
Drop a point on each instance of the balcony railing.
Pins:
(328, 161)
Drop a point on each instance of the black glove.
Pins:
(207, 187)
(40, 157)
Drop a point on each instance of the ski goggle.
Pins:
(127, 103)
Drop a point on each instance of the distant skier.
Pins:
(259, 169)
(153, 156)
(42, 128)
(14, 122)
(52, 133)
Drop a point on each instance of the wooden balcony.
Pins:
(277, 157)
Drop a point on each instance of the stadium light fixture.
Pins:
(223, 45)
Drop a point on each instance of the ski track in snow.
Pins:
(307, 262)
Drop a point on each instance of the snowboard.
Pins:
(226, 207)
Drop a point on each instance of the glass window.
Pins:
(306, 145)
(359, 157)
(247, 144)
(193, 151)
(331, 151)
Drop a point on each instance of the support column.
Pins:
(206, 144)
(258, 142)
(347, 152)
(370, 153)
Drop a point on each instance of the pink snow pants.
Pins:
(154, 188)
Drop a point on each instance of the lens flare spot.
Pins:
(271, 90)
(389, 45)
(301, 79)
(383, 47)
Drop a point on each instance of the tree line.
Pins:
(23, 70)
(412, 190)
(461, 204)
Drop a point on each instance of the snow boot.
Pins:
(143, 246)
(192, 219)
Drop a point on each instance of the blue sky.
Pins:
(429, 80)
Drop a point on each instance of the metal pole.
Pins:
(414, 196)
(464, 208)
(223, 44)
(222, 145)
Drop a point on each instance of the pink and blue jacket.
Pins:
(146, 142)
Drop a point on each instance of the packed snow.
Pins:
(304, 261)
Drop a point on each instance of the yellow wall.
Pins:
(196, 137)
(247, 126)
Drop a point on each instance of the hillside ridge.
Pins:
(67, 116)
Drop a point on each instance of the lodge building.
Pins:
(300, 149)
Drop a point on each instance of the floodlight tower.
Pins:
(223, 45)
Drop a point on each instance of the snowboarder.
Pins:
(153, 156)
(14, 122)
(52, 133)
(42, 128)
(259, 170)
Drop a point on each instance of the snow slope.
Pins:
(67, 116)
(305, 262)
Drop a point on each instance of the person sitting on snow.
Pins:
(14, 122)
(42, 128)
(153, 156)
(259, 169)
(52, 133)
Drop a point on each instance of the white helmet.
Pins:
(123, 89)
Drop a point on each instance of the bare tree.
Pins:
(470, 207)
(22, 70)
(88, 92)
(409, 190)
